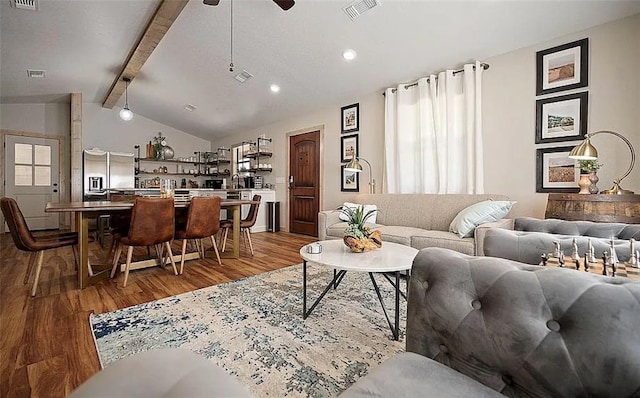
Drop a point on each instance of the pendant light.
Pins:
(231, 42)
(125, 113)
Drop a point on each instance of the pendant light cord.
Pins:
(231, 64)
(126, 94)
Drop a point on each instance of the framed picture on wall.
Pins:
(562, 118)
(350, 181)
(564, 67)
(555, 172)
(350, 118)
(348, 147)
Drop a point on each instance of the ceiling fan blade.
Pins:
(285, 4)
(211, 2)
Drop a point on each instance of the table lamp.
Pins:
(355, 166)
(586, 151)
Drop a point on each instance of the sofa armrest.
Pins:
(326, 219)
(481, 230)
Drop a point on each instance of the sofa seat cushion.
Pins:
(337, 230)
(445, 240)
(412, 375)
(398, 234)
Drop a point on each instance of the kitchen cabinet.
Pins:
(268, 195)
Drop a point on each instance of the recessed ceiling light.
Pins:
(274, 88)
(349, 55)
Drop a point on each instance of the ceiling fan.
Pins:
(284, 4)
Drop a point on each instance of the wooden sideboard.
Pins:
(599, 208)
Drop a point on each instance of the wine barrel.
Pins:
(598, 208)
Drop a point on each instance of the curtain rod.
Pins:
(485, 66)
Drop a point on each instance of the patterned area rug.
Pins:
(253, 328)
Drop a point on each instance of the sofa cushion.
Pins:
(412, 375)
(479, 213)
(396, 234)
(446, 240)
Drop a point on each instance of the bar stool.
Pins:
(203, 221)
(245, 225)
(25, 241)
(152, 223)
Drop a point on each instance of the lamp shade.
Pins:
(126, 114)
(584, 151)
(353, 165)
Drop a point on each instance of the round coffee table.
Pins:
(390, 258)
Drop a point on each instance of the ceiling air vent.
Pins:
(357, 8)
(31, 5)
(190, 107)
(35, 72)
(243, 76)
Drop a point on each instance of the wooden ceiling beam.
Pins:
(165, 16)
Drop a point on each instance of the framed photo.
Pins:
(561, 118)
(350, 181)
(563, 67)
(555, 172)
(349, 147)
(350, 118)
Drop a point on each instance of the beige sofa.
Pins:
(416, 220)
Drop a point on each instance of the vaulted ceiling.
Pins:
(82, 45)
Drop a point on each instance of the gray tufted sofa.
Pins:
(525, 239)
(523, 330)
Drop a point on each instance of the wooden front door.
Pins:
(304, 183)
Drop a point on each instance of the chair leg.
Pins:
(112, 247)
(204, 252)
(128, 266)
(38, 269)
(184, 249)
(224, 239)
(116, 257)
(196, 243)
(248, 233)
(173, 263)
(215, 249)
(148, 252)
(32, 261)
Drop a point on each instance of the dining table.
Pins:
(84, 211)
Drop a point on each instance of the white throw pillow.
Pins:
(479, 213)
(354, 206)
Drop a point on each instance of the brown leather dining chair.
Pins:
(25, 241)
(152, 223)
(203, 221)
(245, 224)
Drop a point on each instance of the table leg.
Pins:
(236, 231)
(395, 331)
(306, 313)
(397, 321)
(304, 287)
(82, 227)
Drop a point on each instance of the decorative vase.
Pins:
(584, 184)
(593, 177)
(362, 244)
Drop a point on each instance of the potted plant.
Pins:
(358, 237)
(588, 175)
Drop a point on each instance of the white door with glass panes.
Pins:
(31, 178)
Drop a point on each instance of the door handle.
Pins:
(290, 181)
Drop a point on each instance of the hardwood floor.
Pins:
(46, 345)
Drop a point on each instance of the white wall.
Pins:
(370, 141)
(102, 128)
(51, 119)
(509, 112)
(508, 122)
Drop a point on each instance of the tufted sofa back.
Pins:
(524, 330)
(578, 228)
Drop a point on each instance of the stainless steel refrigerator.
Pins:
(106, 171)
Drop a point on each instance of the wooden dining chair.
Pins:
(25, 241)
(203, 221)
(245, 224)
(152, 223)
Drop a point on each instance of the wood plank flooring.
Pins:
(46, 346)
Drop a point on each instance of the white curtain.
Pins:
(433, 134)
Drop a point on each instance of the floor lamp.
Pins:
(586, 151)
(355, 166)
